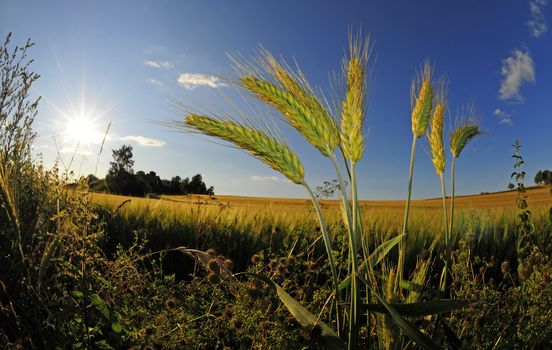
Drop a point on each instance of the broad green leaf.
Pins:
(377, 255)
(432, 307)
(100, 304)
(116, 327)
(302, 315)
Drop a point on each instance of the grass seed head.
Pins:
(270, 151)
(436, 143)
(354, 103)
(460, 137)
(421, 100)
(302, 110)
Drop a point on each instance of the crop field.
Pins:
(130, 260)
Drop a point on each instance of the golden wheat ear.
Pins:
(461, 136)
(291, 94)
(354, 102)
(270, 151)
(421, 98)
(435, 137)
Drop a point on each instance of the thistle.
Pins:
(270, 151)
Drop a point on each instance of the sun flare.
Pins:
(82, 130)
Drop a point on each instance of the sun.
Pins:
(82, 130)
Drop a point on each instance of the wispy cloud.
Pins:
(264, 178)
(155, 82)
(144, 141)
(504, 117)
(75, 150)
(517, 69)
(192, 80)
(158, 64)
(537, 24)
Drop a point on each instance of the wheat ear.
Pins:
(303, 114)
(421, 100)
(460, 137)
(353, 105)
(435, 137)
(270, 151)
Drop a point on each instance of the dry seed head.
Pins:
(461, 136)
(421, 100)
(353, 105)
(270, 151)
(436, 144)
(305, 114)
(213, 266)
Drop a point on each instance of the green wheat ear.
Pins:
(461, 136)
(270, 151)
(421, 97)
(435, 137)
(295, 99)
(353, 105)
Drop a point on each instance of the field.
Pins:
(87, 270)
(538, 196)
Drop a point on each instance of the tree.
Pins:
(175, 185)
(538, 177)
(511, 186)
(120, 176)
(547, 177)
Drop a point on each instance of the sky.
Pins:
(129, 63)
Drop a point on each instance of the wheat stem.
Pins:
(325, 235)
(451, 225)
(444, 284)
(402, 243)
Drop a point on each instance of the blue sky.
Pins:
(127, 62)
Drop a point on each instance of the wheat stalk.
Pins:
(421, 102)
(270, 151)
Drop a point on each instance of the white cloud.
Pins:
(75, 150)
(504, 117)
(158, 64)
(264, 178)
(144, 141)
(537, 24)
(155, 82)
(192, 80)
(516, 70)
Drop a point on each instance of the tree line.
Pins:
(121, 179)
(543, 177)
